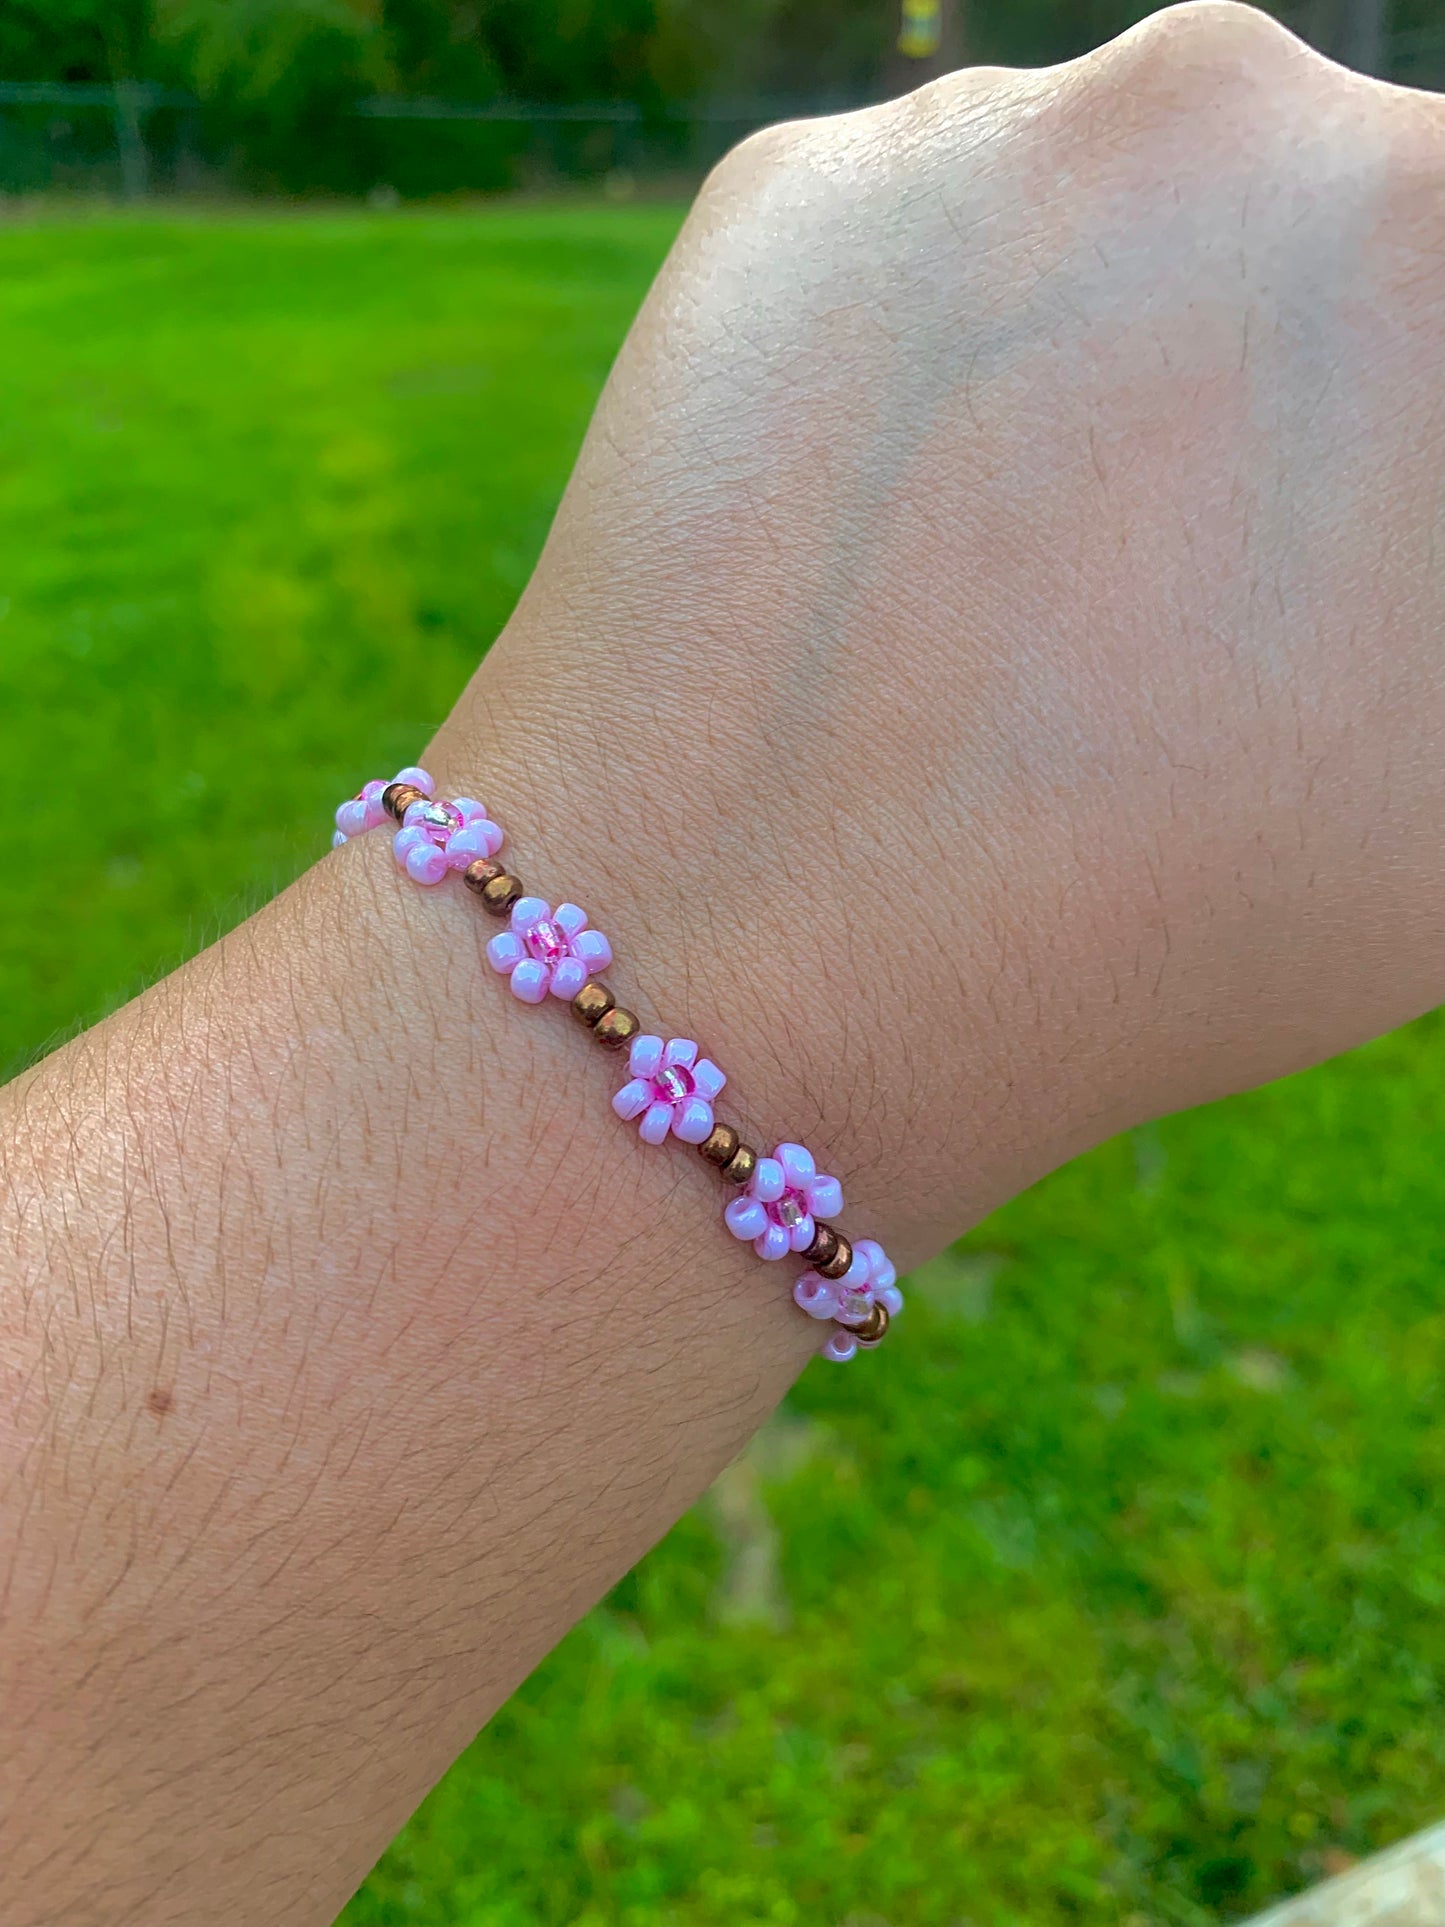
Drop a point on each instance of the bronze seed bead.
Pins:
(841, 1259)
(874, 1328)
(616, 1027)
(721, 1145)
(741, 1165)
(478, 875)
(824, 1246)
(499, 893)
(397, 799)
(592, 1003)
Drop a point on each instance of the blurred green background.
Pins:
(1110, 1592)
(417, 98)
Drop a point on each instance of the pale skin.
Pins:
(987, 679)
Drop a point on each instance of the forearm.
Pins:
(353, 1348)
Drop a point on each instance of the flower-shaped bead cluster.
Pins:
(782, 1201)
(671, 1090)
(438, 834)
(366, 811)
(869, 1280)
(545, 952)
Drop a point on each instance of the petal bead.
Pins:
(881, 1271)
(645, 1057)
(425, 864)
(855, 1278)
(529, 981)
(469, 807)
(841, 1347)
(824, 1195)
(568, 977)
(815, 1295)
(473, 839)
(797, 1162)
(417, 777)
(890, 1297)
(692, 1120)
(633, 1099)
(768, 1183)
(745, 1218)
(505, 952)
(337, 839)
(569, 919)
(656, 1123)
(593, 948)
(527, 911)
(801, 1235)
(707, 1079)
(352, 819)
(772, 1244)
(681, 1051)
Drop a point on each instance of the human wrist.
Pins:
(775, 966)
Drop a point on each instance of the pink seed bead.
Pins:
(529, 981)
(568, 977)
(773, 1243)
(672, 1083)
(841, 1347)
(815, 1295)
(633, 1099)
(853, 1305)
(424, 864)
(477, 837)
(505, 952)
(692, 1121)
(825, 1197)
(787, 1210)
(437, 821)
(745, 1218)
(546, 942)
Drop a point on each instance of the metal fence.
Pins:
(136, 139)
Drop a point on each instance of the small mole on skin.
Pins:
(160, 1401)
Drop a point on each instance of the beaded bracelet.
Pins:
(781, 1203)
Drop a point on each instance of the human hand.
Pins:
(992, 634)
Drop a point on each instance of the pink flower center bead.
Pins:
(788, 1210)
(672, 1084)
(436, 821)
(546, 943)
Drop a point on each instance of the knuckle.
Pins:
(1214, 75)
(1211, 42)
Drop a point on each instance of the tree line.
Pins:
(277, 81)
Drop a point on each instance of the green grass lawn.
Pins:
(1111, 1591)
